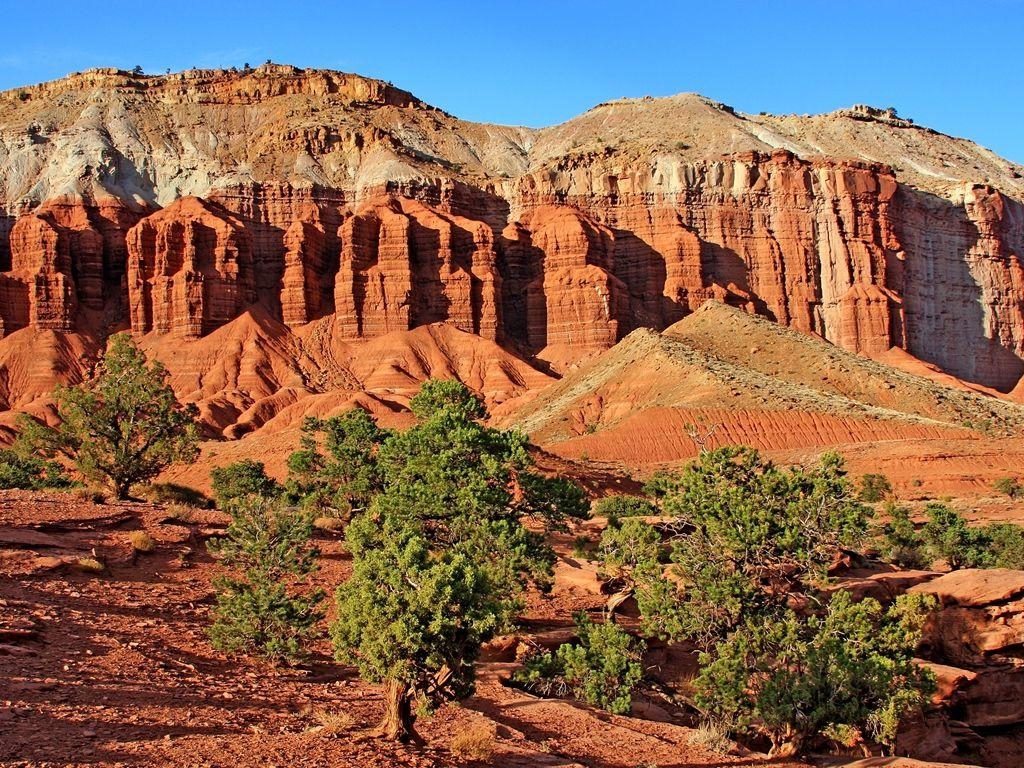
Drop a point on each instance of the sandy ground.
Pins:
(116, 669)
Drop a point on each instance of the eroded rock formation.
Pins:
(190, 269)
(329, 195)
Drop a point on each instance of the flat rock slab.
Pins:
(975, 586)
(22, 537)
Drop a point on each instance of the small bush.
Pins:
(172, 493)
(182, 513)
(141, 541)
(1009, 486)
(624, 506)
(1005, 545)
(474, 743)
(90, 565)
(30, 472)
(713, 735)
(259, 611)
(901, 543)
(333, 724)
(89, 495)
(240, 480)
(579, 547)
(602, 669)
(796, 678)
(947, 537)
(873, 487)
(329, 524)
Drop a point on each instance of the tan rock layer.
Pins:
(568, 264)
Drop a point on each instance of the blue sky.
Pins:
(954, 66)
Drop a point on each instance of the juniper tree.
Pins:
(441, 556)
(122, 425)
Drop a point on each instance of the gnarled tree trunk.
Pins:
(397, 723)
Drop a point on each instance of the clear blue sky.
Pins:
(954, 66)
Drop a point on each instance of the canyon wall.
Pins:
(832, 248)
(171, 205)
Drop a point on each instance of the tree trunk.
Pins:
(397, 723)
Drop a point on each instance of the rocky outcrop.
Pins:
(190, 269)
(980, 630)
(405, 264)
(572, 300)
(345, 196)
(65, 255)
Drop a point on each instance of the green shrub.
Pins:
(625, 506)
(873, 487)
(1009, 486)
(900, 541)
(173, 493)
(748, 535)
(30, 472)
(602, 669)
(1005, 545)
(793, 678)
(335, 469)
(946, 536)
(240, 480)
(630, 551)
(259, 609)
(441, 556)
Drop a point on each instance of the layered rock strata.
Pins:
(328, 195)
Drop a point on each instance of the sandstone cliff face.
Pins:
(190, 269)
(330, 195)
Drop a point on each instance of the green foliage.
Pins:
(122, 425)
(1009, 486)
(447, 395)
(873, 487)
(412, 615)
(749, 535)
(792, 677)
(630, 551)
(1005, 546)
(259, 611)
(30, 472)
(242, 480)
(440, 553)
(335, 469)
(900, 541)
(947, 537)
(602, 669)
(625, 506)
(551, 499)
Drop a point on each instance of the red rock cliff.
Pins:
(318, 194)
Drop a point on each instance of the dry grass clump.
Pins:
(183, 513)
(333, 723)
(90, 565)
(172, 493)
(141, 541)
(330, 524)
(477, 742)
(89, 495)
(713, 736)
